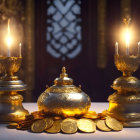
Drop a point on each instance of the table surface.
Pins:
(125, 134)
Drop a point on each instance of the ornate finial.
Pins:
(63, 70)
(63, 74)
(127, 21)
(63, 79)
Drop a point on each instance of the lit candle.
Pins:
(127, 40)
(20, 49)
(9, 39)
(116, 48)
(139, 47)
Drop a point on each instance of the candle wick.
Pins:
(116, 48)
(139, 48)
(20, 50)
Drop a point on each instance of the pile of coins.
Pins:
(38, 122)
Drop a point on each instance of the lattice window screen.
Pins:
(63, 33)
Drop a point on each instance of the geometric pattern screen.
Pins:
(63, 33)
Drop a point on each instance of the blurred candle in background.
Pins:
(139, 47)
(116, 48)
(20, 50)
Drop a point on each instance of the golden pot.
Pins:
(63, 98)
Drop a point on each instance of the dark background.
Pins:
(83, 69)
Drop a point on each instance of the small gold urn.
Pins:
(63, 98)
(11, 108)
(124, 104)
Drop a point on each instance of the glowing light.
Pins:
(127, 37)
(9, 39)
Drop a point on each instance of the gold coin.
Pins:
(22, 128)
(39, 126)
(104, 112)
(29, 117)
(49, 122)
(57, 118)
(55, 128)
(12, 125)
(95, 121)
(69, 126)
(102, 126)
(25, 124)
(91, 112)
(91, 116)
(103, 115)
(86, 125)
(38, 115)
(114, 124)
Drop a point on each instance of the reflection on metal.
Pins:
(124, 103)
(126, 9)
(63, 28)
(101, 50)
(64, 98)
(29, 44)
(11, 108)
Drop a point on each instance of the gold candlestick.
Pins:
(11, 108)
(124, 104)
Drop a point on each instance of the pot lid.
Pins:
(63, 79)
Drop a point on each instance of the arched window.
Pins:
(63, 33)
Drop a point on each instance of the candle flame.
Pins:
(9, 39)
(139, 43)
(116, 44)
(127, 37)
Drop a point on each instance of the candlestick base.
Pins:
(11, 108)
(124, 104)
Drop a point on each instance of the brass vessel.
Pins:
(11, 108)
(63, 98)
(124, 104)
